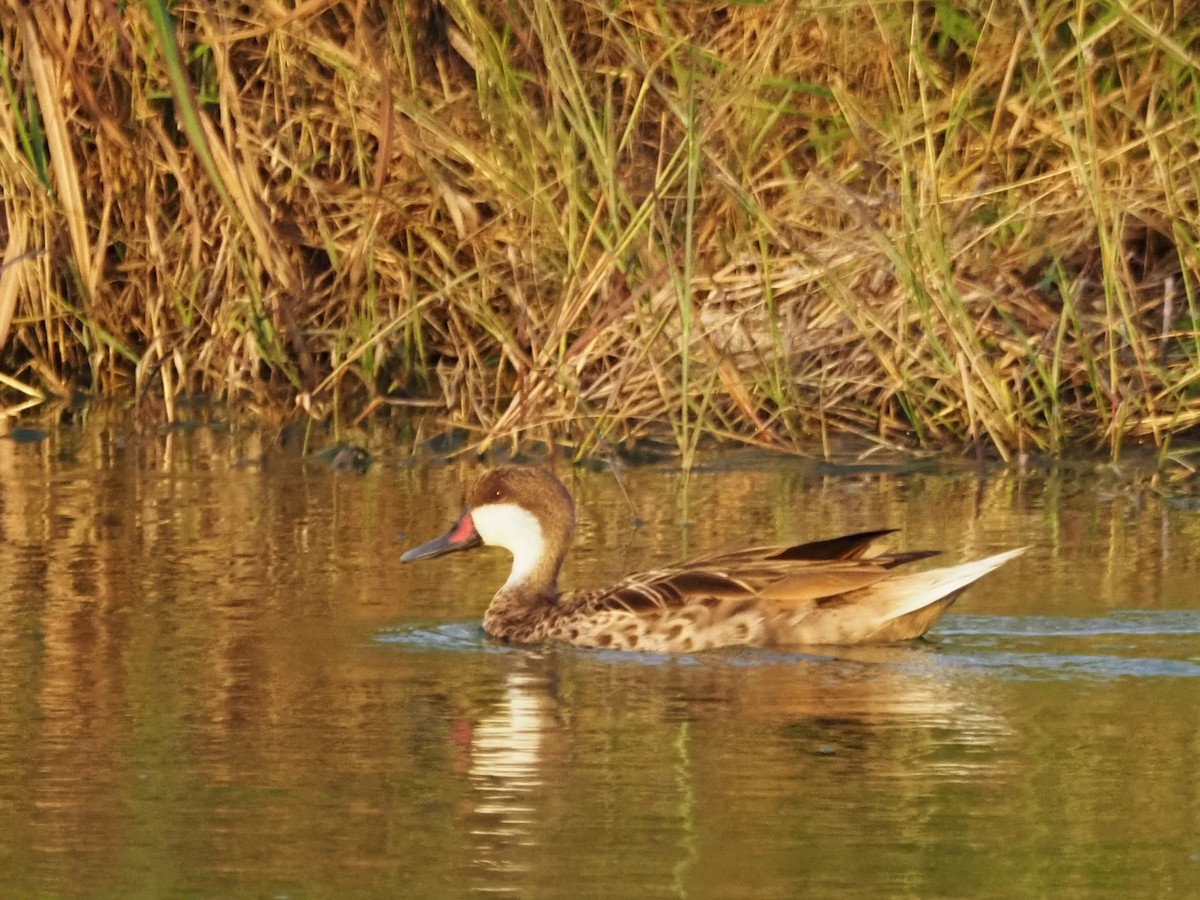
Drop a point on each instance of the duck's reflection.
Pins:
(506, 772)
(864, 714)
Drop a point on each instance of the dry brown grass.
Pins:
(942, 224)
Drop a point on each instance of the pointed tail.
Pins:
(918, 600)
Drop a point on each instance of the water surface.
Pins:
(218, 679)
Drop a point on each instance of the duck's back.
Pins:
(827, 592)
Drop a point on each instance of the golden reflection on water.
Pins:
(711, 748)
(516, 775)
(194, 699)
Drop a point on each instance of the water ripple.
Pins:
(1124, 644)
(1120, 644)
(1128, 621)
(452, 637)
(1038, 666)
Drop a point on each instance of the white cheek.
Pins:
(517, 531)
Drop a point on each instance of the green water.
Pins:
(217, 679)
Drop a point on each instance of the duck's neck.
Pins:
(534, 572)
(533, 580)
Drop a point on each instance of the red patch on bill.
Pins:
(463, 531)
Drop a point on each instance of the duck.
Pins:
(833, 592)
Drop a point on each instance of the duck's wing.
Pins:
(794, 574)
(736, 579)
(784, 597)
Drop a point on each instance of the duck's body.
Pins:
(828, 592)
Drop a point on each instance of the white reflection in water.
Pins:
(506, 773)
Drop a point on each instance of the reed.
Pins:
(934, 224)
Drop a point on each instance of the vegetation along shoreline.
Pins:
(929, 225)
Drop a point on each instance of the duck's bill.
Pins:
(462, 536)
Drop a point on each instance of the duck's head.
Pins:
(523, 509)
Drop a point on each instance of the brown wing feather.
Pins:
(785, 576)
(850, 546)
(668, 588)
(807, 583)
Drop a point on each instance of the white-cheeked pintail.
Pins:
(838, 591)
